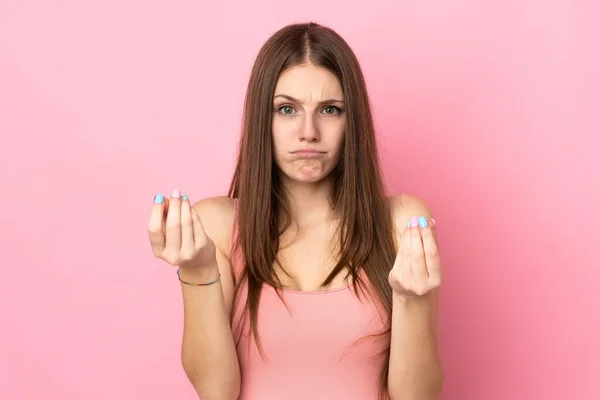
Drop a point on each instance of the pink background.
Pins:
(486, 110)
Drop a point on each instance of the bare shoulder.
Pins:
(216, 214)
(404, 207)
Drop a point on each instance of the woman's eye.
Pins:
(331, 110)
(287, 110)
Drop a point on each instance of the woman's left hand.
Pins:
(417, 269)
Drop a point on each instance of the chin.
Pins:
(306, 172)
(309, 179)
(303, 177)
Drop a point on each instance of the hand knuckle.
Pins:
(421, 290)
(156, 251)
(171, 258)
(156, 245)
(153, 229)
(433, 252)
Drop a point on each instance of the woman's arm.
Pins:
(415, 370)
(208, 350)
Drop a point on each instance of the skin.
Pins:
(308, 113)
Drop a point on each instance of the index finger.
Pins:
(156, 225)
(173, 223)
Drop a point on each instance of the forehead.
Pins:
(309, 82)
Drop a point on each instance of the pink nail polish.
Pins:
(414, 222)
(176, 194)
(432, 221)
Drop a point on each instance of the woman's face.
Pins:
(308, 123)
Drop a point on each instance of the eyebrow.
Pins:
(290, 98)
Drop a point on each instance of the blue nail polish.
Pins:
(423, 222)
(159, 198)
(184, 197)
(408, 225)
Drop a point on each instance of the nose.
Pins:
(309, 131)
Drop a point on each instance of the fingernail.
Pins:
(176, 194)
(414, 222)
(159, 198)
(184, 197)
(432, 221)
(423, 222)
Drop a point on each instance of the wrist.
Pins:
(199, 275)
(410, 301)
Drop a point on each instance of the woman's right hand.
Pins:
(177, 236)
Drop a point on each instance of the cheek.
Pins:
(282, 129)
(337, 139)
(280, 133)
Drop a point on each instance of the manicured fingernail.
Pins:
(414, 222)
(176, 194)
(432, 221)
(423, 222)
(159, 198)
(184, 197)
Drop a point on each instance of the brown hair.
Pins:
(366, 239)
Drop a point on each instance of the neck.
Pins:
(309, 201)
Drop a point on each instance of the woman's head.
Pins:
(307, 91)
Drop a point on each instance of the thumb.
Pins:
(199, 233)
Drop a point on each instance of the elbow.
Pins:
(221, 383)
(430, 393)
(224, 391)
(231, 395)
(215, 388)
(429, 388)
(435, 388)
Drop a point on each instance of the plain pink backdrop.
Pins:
(487, 110)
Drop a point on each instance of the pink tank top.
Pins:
(311, 348)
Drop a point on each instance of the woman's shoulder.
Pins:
(404, 207)
(216, 215)
(220, 204)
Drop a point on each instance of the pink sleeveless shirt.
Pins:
(311, 349)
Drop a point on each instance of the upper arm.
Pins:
(404, 207)
(216, 214)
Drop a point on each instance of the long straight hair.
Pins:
(365, 238)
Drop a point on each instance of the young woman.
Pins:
(306, 281)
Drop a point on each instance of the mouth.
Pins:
(307, 153)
